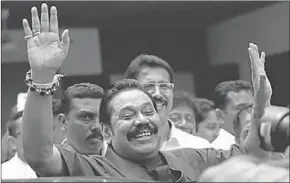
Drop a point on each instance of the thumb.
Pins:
(65, 40)
(263, 55)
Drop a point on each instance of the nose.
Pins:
(181, 122)
(156, 92)
(216, 133)
(141, 119)
(94, 126)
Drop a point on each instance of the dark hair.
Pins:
(120, 86)
(4, 128)
(202, 107)
(56, 104)
(181, 98)
(12, 124)
(236, 120)
(221, 91)
(140, 61)
(80, 90)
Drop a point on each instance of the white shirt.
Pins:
(224, 140)
(181, 139)
(15, 168)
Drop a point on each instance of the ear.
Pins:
(12, 145)
(220, 115)
(62, 119)
(107, 132)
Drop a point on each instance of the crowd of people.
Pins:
(141, 128)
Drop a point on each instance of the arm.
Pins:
(262, 97)
(45, 55)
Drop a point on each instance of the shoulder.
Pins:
(192, 140)
(195, 158)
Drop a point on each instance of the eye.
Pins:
(189, 117)
(165, 86)
(211, 127)
(148, 86)
(175, 117)
(86, 117)
(127, 116)
(149, 112)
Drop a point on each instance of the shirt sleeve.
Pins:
(75, 164)
(201, 159)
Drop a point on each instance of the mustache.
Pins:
(138, 129)
(96, 134)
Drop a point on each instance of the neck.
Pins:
(144, 160)
(85, 151)
(20, 156)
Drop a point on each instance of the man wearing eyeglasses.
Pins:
(157, 77)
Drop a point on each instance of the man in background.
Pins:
(79, 119)
(182, 113)
(157, 77)
(229, 97)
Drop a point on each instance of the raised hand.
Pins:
(258, 70)
(45, 50)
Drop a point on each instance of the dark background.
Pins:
(144, 23)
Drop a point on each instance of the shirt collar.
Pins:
(172, 141)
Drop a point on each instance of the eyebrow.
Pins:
(130, 107)
(153, 82)
(84, 111)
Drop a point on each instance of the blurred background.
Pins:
(205, 42)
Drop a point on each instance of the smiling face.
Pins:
(162, 94)
(183, 118)
(135, 124)
(209, 128)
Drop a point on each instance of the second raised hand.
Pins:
(258, 70)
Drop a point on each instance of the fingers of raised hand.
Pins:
(254, 51)
(53, 20)
(44, 18)
(45, 25)
(35, 20)
(27, 30)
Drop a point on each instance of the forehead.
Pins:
(241, 97)
(211, 117)
(182, 109)
(91, 104)
(153, 74)
(132, 98)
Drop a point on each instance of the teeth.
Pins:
(144, 134)
(159, 105)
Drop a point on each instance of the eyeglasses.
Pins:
(150, 87)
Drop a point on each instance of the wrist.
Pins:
(42, 77)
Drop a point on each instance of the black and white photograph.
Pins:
(145, 91)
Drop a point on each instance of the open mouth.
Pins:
(145, 134)
(160, 105)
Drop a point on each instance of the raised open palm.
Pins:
(45, 50)
(258, 70)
